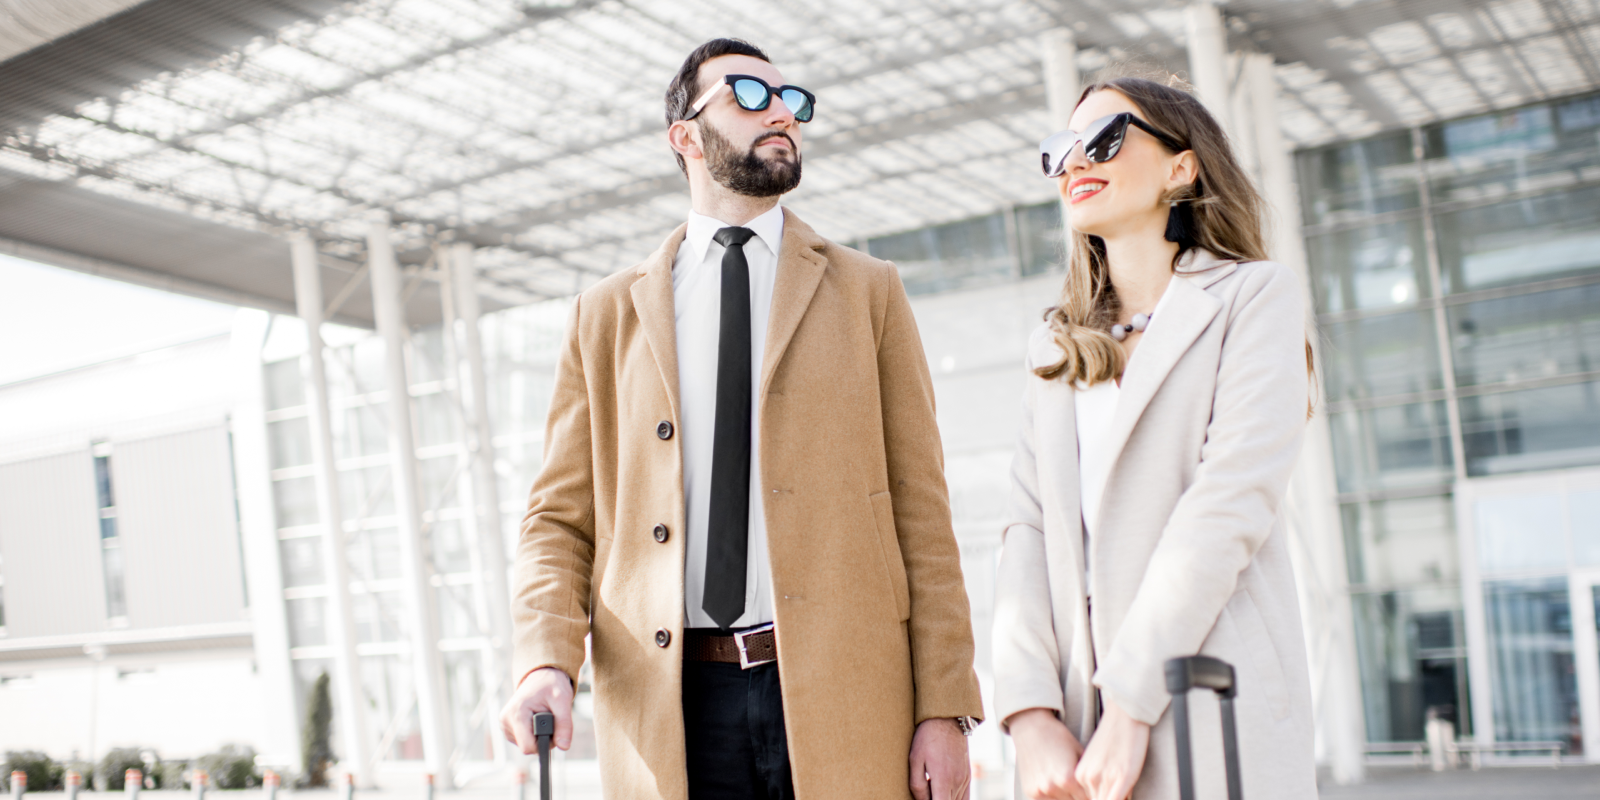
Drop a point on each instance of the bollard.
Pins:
(19, 784)
(348, 790)
(74, 783)
(200, 779)
(269, 782)
(132, 782)
(427, 786)
(519, 786)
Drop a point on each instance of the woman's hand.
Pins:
(1115, 757)
(1047, 755)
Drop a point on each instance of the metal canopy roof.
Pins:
(534, 129)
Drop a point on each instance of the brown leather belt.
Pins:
(750, 648)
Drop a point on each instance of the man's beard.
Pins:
(746, 173)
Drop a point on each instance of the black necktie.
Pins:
(728, 529)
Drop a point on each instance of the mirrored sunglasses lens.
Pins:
(752, 95)
(1107, 144)
(798, 104)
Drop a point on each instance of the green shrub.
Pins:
(117, 762)
(316, 746)
(231, 767)
(43, 774)
(169, 774)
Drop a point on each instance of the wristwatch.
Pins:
(966, 724)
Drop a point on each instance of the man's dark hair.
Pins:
(685, 87)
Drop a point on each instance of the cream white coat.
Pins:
(1190, 553)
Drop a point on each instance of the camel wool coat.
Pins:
(873, 626)
(1190, 553)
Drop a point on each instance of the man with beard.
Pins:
(743, 501)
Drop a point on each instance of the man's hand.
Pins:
(1047, 756)
(939, 766)
(1115, 757)
(547, 689)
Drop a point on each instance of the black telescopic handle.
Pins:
(1203, 672)
(544, 728)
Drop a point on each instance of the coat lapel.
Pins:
(800, 269)
(652, 301)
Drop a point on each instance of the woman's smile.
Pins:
(1085, 188)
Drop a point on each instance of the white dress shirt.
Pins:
(697, 306)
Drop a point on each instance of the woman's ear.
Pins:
(1184, 171)
(684, 139)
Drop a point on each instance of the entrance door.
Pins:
(1586, 655)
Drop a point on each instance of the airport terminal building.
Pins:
(189, 538)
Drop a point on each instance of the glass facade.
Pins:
(521, 346)
(1455, 271)
(1009, 244)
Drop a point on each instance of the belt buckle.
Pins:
(744, 653)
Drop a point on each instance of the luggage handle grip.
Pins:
(544, 729)
(1203, 672)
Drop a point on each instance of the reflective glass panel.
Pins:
(1543, 237)
(306, 672)
(1391, 447)
(439, 478)
(463, 675)
(308, 625)
(1392, 543)
(392, 708)
(943, 257)
(1584, 511)
(290, 442)
(456, 617)
(374, 554)
(438, 419)
(447, 541)
(1532, 430)
(102, 482)
(1530, 652)
(115, 573)
(302, 560)
(1369, 268)
(1412, 653)
(1380, 356)
(1540, 147)
(284, 385)
(1527, 337)
(379, 616)
(295, 501)
(1520, 532)
(360, 431)
(1358, 179)
(366, 493)
(1040, 234)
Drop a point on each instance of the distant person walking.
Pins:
(743, 499)
(1160, 424)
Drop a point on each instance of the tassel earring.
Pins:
(1180, 224)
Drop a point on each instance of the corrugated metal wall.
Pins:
(50, 543)
(179, 527)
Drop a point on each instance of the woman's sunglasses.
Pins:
(1102, 140)
(753, 94)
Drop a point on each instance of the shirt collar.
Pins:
(768, 228)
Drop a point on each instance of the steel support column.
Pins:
(427, 663)
(336, 569)
(485, 484)
(1208, 60)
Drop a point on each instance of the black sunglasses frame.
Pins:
(1102, 141)
(772, 91)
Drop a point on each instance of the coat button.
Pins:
(660, 533)
(664, 429)
(663, 637)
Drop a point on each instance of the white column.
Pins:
(336, 569)
(485, 484)
(1313, 502)
(433, 710)
(1208, 60)
(1059, 54)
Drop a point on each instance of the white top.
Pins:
(697, 305)
(1095, 407)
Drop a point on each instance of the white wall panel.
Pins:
(50, 546)
(179, 527)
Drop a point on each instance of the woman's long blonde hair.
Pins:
(1226, 220)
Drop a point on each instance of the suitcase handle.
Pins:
(1203, 672)
(544, 728)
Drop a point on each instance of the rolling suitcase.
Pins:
(1203, 672)
(544, 728)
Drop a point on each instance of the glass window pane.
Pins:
(427, 355)
(1377, 267)
(1358, 179)
(102, 482)
(365, 493)
(1391, 447)
(943, 257)
(290, 441)
(393, 710)
(307, 625)
(285, 386)
(457, 620)
(1584, 510)
(116, 596)
(1041, 236)
(438, 420)
(447, 540)
(1379, 356)
(1530, 653)
(1526, 337)
(296, 501)
(1412, 655)
(1531, 430)
(108, 528)
(302, 560)
(379, 616)
(439, 478)
(1520, 532)
(463, 671)
(1393, 543)
(1549, 236)
(306, 672)
(374, 555)
(360, 431)
(1514, 151)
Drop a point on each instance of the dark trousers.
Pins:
(733, 722)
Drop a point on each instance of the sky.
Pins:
(53, 319)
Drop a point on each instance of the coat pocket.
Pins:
(1263, 653)
(894, 567)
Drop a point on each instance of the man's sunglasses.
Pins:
(754, 94)
(1102, 140)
